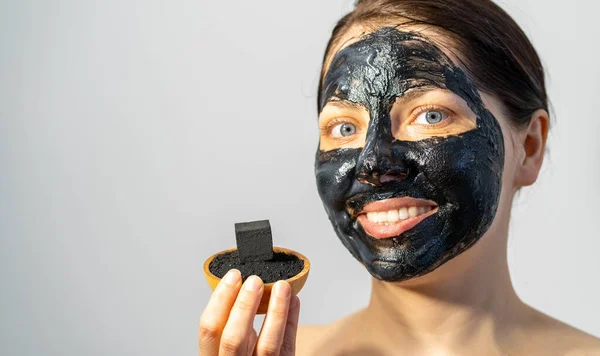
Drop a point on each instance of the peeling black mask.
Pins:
(461, 173)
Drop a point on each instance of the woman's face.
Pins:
(410, 159)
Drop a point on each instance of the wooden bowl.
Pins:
(296, 282)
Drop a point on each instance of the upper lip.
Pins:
(361, 205)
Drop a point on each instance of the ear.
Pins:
(533, 147)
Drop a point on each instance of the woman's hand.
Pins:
(227, 323)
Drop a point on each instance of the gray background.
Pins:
(134, 134)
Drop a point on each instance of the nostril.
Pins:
(366, 178)
(376, 179)
(392, 176)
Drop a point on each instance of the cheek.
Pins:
(454, 166)
(462, 172)
(513, 157)
(335, 174)
(508, 188)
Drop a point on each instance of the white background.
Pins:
(134, 134)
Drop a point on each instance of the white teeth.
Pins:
(393, 216)
(412, 211)
(374, 217)
(403, 213)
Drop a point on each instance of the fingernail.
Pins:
(282, 289)
(232, 277)
(253, 284)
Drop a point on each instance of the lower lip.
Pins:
(381, 231)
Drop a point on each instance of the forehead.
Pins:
(358, 32)
(384, 64)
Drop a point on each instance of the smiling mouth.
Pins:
(392, 217)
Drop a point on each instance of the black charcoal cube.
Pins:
(254, 241)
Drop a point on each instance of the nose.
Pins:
(376, 164)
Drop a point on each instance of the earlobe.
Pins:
(534, 147)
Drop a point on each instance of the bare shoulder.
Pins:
(572, 340)
(312, 340)
(540, 334)
(549, 336)
(307, 338)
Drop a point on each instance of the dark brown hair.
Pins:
(492, 48)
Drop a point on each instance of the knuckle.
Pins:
(278, 313)
(208, 331)
(279, 300)
(224, 290)
(268, 349)
(230, 344)
(287, 348)
(245, 304)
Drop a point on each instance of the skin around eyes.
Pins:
(418, 115)
(408, 114)
(333, 116)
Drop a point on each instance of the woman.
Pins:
(432, 115)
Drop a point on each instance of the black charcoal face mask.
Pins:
(460, 173)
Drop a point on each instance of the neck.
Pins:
(469, 296)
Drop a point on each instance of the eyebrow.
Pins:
(414, 93)
(410, 94)
(345, 104)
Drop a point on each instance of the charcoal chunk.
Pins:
(254, 241)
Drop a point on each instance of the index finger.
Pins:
(216, 313)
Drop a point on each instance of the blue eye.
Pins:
(343, 130)
(430, 117)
